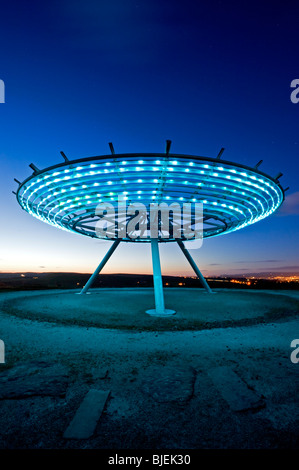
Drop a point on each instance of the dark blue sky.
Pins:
(205, 74)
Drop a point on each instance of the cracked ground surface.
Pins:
(162, 395)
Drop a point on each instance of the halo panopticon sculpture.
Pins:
(67, 195)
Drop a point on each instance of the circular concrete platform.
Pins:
(125, 308)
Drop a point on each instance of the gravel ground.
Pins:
(188, 412)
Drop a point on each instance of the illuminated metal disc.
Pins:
(233, 196)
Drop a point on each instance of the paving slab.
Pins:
(234, 391)
(86, 418)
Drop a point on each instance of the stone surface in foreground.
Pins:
(36, 378)
(169, 384)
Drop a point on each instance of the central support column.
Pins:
(100, 267)
(158, 285)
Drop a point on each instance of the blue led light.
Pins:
(236, 196)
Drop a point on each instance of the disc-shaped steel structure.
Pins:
(233, 196)
(67, 195)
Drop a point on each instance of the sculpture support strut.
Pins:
(100, 267)
(160, 309)
(158, 285)
(194, 266)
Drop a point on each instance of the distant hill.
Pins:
(35, 281)
(78, 280)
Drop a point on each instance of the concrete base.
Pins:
(165, 313)
(86, 418)
(234, 390)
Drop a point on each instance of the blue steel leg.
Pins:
(100, 267)
(194, 267)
